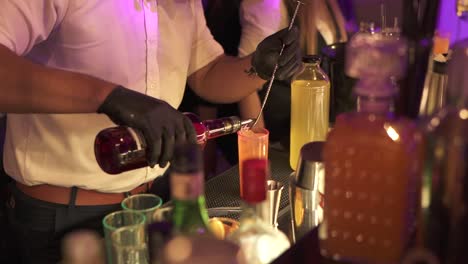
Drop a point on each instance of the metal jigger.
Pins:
(306, 190)
(274, 190)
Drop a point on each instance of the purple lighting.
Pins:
(450, 23)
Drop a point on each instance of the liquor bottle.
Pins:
(445, 184)
(189, 216)
(435, 87)
(418, 26)
(259, 241)
(372, 162)
(310, 106)
(119, 149)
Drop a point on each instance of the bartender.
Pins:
(72, 68)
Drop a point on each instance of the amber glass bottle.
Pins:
(373, 163)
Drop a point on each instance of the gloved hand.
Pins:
(267, 54)
(161, 125)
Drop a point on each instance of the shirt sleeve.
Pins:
(204, 47)
(25, 23)
(259, 19)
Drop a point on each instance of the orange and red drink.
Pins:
(252, 144)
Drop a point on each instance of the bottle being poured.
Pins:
(120, 149)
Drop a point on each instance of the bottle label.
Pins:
(187, 186)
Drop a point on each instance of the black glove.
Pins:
(267, 55)
(161, 125)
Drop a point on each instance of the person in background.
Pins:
(239, 26)
(72, 68)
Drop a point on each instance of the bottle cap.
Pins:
(188, 158)
(254, 176)
(311, 59)
(457, 86)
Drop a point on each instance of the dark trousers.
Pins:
(36, 228)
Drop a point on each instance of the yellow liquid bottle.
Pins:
(310, 103)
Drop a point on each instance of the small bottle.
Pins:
(119, 149)
(372, 162)
(310, 106)
(259, 241)
(189, 216)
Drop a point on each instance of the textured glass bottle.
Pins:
(372, 163)
(119, 149)
(310, 107)
(259, 241)
(190, 216)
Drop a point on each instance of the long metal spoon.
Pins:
(299, 3)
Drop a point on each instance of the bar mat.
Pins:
(223, 190)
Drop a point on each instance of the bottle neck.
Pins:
(373, 105)
(224, 126)
(254, 212)
(214, 128)
(311, 65)
(375, 95)
(187, 186)
(190, 215)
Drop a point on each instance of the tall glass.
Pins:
(115, 220)
(129, 245)
(146, 204)
(252, 144)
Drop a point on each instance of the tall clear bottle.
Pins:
(119, 149)
(259, 241)
(372, 162)
(445, 188)
(435, 88)
(190, 216)
(310, 106)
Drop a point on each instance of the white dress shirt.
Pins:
(149, 46)
(259, 19)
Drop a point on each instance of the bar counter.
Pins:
(223, 189)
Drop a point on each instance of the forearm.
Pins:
(31, 88)
(225, 80)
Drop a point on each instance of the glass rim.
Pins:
(141, 216)
(261, 133)
(158, 203)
